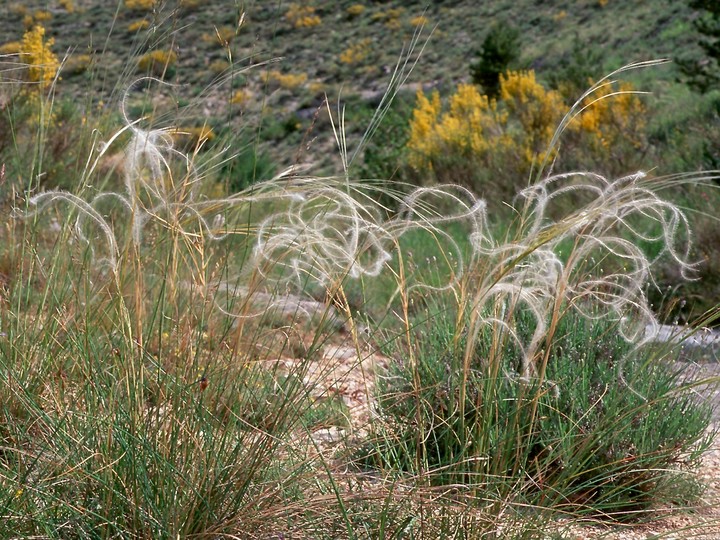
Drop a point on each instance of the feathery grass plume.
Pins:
(617, 215)
(319, 229)
(323, 230)
(614, 216)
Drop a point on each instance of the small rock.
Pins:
(329, 435)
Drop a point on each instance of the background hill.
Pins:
(266, 66)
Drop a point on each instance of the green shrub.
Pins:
(499, 52)
(385, 153)
(703, 72)
(577, 69)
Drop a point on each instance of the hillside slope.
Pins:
(272, 63)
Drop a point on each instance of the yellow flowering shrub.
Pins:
(37, 55)
(241, 97)
(425, 118)
(11, 47)
(157, 62)
(302, 16)
(190, 5)
(40, 67)
(191, 138)
(611, 116)
(67, 5)
(138, 26)
(519, 126)
(140, 5)
(356, 53)
(41, 16)
(390, 17)
(224, 35)
(18, 8)
(219, 66)
(538, 111)
(77, 63)
(355, 10)
(35, 18)
(288, 81)
(471, 127)
(475, 140)
(420, 20)
(316, 87)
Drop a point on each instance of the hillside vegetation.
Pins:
(283, 58)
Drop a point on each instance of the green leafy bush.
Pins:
(703, 73)
(499, 52)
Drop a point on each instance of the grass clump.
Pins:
(527, 377)
(137, 450)
(137, 408)
(607, 434)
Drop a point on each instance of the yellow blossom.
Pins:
(37, 55)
